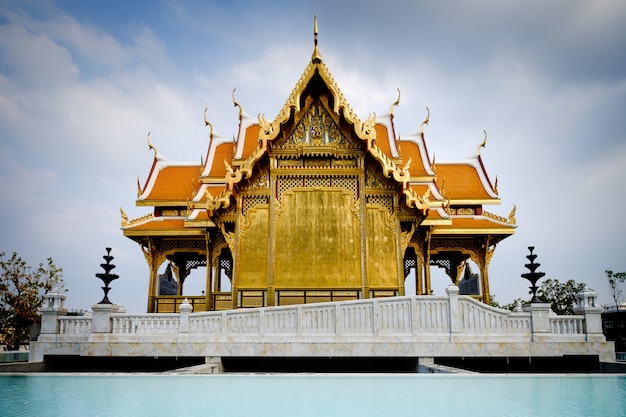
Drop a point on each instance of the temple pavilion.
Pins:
(316, 205)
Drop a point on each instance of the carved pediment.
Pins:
(316, 133)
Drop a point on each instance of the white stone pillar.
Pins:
(539, 319)
(53, 308)
(586, 306)
(101, 319)
(453, 309)
(185, 308)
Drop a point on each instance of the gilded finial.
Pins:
(151, 146)
(395, 103)
(512, 215)
(207, 123)
(426, 120)
(236, 104)
(124, 217)
(483, 144)
(316, 58)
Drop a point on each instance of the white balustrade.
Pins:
(431, 315)
(427, 326)
(398, 315)
(567, 324)
(394, 316)
(243, 321)
(162, 323)
(280, 321)
(208, 323)
(477, 317)
(318, 318)
(74, 325)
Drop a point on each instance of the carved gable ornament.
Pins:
(316, 133)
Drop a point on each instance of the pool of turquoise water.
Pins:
(257, 395)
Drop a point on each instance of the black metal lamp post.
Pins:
(107, 277)
(533, 276)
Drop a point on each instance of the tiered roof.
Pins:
(450, 194)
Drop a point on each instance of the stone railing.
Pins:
(78, 325)
(452, 325)
(567, 324)
(162, 323)
(411, 315)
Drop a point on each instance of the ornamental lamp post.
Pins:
(533, 276)
(107, 277)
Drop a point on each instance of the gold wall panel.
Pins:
(251, 265)
(317, 240)
(382, 261)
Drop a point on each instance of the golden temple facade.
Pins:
(316, 205)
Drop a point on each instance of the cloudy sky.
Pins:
(82, 83)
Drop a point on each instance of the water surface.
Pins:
(312, 395)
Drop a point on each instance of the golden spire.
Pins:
(316, 58)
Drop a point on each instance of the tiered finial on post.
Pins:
(107, 277)
(533, 276)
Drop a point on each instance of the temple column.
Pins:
(419, 276)
(209, 304)
(154, 258)
(485, 258)
(427, 288)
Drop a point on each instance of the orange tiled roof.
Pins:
(174, 183)
(461, 182)
(382, 139)
(411, 150)
(223, 151)
(251, 140)
(159, 223)
(476, 225)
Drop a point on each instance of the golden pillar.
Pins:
(154, 258)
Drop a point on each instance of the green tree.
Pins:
(561, 296)
(510, 306)
(21, 295)
(615, 279)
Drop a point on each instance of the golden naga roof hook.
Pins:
(151, 146)
(236, 104)
(317, 57)
(139, 190)
(426, 120)
(124, 217)
(207, 123)
(483, 144)
(495, 186)
(395, 103)
(512, 215)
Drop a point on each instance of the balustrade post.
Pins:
(454, 315)
(586, 306)
(52, 310)
(539, 319)
(185, 308)
(101, 319)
